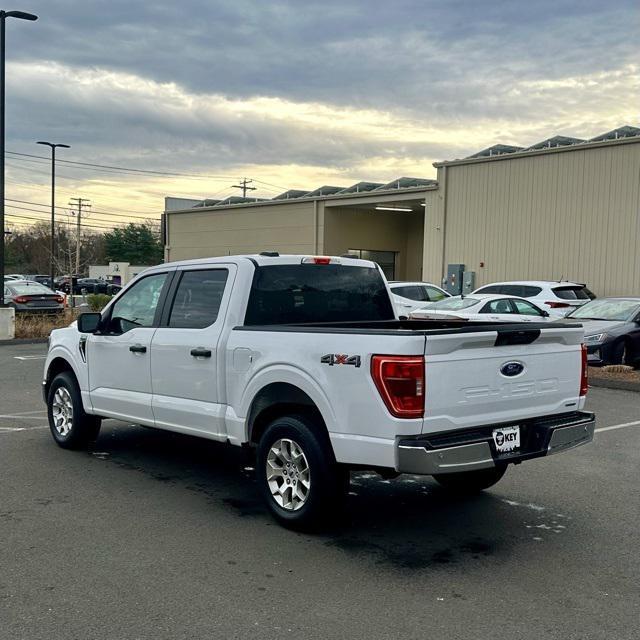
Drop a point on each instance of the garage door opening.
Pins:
(386, 260)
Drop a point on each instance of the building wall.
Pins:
(572, 215)
(350, 228)
(288, 228)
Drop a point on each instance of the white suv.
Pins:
(557, 297)
(409, 296)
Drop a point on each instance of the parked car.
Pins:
(95, 285)
(487, 307)
(13, 276)
(611, 330)
(41, 278)
(408, 296)
(26, 296)
(557, 297)
(304, 359)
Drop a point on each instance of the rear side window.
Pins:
(197, 300)
(573, 293)
(294, 294)
(410, 292)
(497, 306)
(490, 289)
(519, 290)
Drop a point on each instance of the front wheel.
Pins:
(298, 476)
(71, 427)
(469, 482)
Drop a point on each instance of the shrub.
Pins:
(40, 326)
(97, 301)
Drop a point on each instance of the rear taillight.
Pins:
(557, 305)
(21, 299)
(584, 375)
(400, 382)
(321, 260)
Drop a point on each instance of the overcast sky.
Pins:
(299, 93)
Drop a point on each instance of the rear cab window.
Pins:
(305, 293)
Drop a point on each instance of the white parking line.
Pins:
(29, 357)
(13, 429)
(25, 413)
(14, 417)
(619, 426)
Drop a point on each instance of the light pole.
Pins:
(53, 147)
(21, 15)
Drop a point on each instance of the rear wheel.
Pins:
(71, 427)
(298, 476)
(471, 481)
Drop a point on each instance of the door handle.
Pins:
(138, 348)
(201, 353)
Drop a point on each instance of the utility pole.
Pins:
(243, 185)
(53, 147)
(79, 202)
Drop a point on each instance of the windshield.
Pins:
(622, 310)
(29, 289)
(452, 304)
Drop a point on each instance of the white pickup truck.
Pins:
(304, 359)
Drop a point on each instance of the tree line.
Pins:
(28, 250)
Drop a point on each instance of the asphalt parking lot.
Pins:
(156, 535)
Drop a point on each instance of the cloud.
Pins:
(332, 92)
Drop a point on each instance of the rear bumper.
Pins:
(473, 449)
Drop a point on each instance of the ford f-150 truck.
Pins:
(304, 359)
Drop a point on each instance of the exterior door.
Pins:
(119, 357)
(185, 364)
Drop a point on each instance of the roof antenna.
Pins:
(562, 276)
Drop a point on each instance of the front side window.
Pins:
(434, 294)
(138, 306)
(198, 297)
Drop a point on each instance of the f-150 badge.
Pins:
(340, 358)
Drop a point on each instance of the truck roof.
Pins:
(265, 260)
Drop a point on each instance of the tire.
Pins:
(620, 353)
(470, 482)
(71, 427)
(321, 484)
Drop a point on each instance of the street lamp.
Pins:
(21, 15)
(53, 202)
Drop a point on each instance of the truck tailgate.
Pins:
(493, 376)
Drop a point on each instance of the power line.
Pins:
(127, 169)
(107, 213)
(23, 216)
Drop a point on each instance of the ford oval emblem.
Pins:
(511, 369)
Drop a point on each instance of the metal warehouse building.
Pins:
(563, 208)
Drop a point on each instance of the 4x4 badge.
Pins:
(340, 358)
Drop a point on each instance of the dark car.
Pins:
(95, 285)
(611, 330)
(26, 296)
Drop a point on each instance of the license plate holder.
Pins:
(507, 439)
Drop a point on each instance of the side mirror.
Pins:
(88, 322)
(545, 314)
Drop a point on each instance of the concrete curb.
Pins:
(16, 341)
(609, 383)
